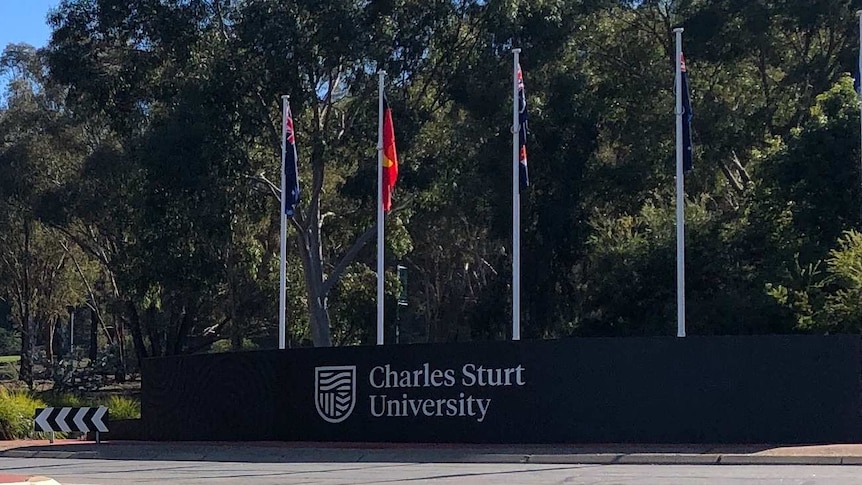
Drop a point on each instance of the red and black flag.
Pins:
(389, 159)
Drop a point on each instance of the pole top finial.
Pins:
(381, 73)
(516, 50)
(285, 96)
(678, 30)
(859, 13)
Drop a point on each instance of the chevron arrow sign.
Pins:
(71, 419)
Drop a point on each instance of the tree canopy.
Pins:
(139, 145)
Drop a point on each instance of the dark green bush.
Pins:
(10, 342)
(223, 345)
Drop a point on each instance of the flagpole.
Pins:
(282, 279)
(859, 95)
(680, 215)
(380, 220)
(516, 205)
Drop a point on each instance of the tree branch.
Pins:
(357, 246)
(92, 303)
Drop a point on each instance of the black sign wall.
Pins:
(768, 389)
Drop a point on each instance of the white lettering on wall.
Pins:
(390, 378)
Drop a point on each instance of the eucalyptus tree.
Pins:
(39, 277)
(190, 92)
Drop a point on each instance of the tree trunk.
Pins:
(186, 322)
(319, 312)
(152, 333)
(137, 335)
(120, 375)
(308, 227)
(51, 327)
(25, 371)
(317, 299)
(94, 340)
(236, 330)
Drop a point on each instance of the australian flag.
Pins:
(522, 133)
(687, 114)
(291, 177)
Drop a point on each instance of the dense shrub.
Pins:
(119, 407)
(10, 342)
(122, 407)
(16, 413)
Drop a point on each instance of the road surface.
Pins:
(104, 472)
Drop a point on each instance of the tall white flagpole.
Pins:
(859, 94)
(282, 279)
(516, 205)
(680, 196)
(380, 216)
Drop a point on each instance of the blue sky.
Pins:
(25, 21)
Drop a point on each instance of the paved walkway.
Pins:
(25, 480)
(275, 452)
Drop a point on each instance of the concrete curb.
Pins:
(668, 459)
(348, 455)
(851, 460)
(48, 454)
(579, 459)
(731, 459)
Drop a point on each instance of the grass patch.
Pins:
(9, 359)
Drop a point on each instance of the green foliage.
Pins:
(805, 300)
(830, 301)
(10, 342)
(119, 407)
(139, 146)
(809, 196)
(123, 407)
(354, 320)
(64, 399)
(843, 308)
(815, 174)
(17, 409)
(224, 345)
(9, 368)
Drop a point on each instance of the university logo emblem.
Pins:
(335, 391)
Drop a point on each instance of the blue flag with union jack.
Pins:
(290, 196)
(523, 177)
(687, 114)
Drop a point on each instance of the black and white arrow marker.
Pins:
(71, 419)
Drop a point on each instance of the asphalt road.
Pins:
(103, 472)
